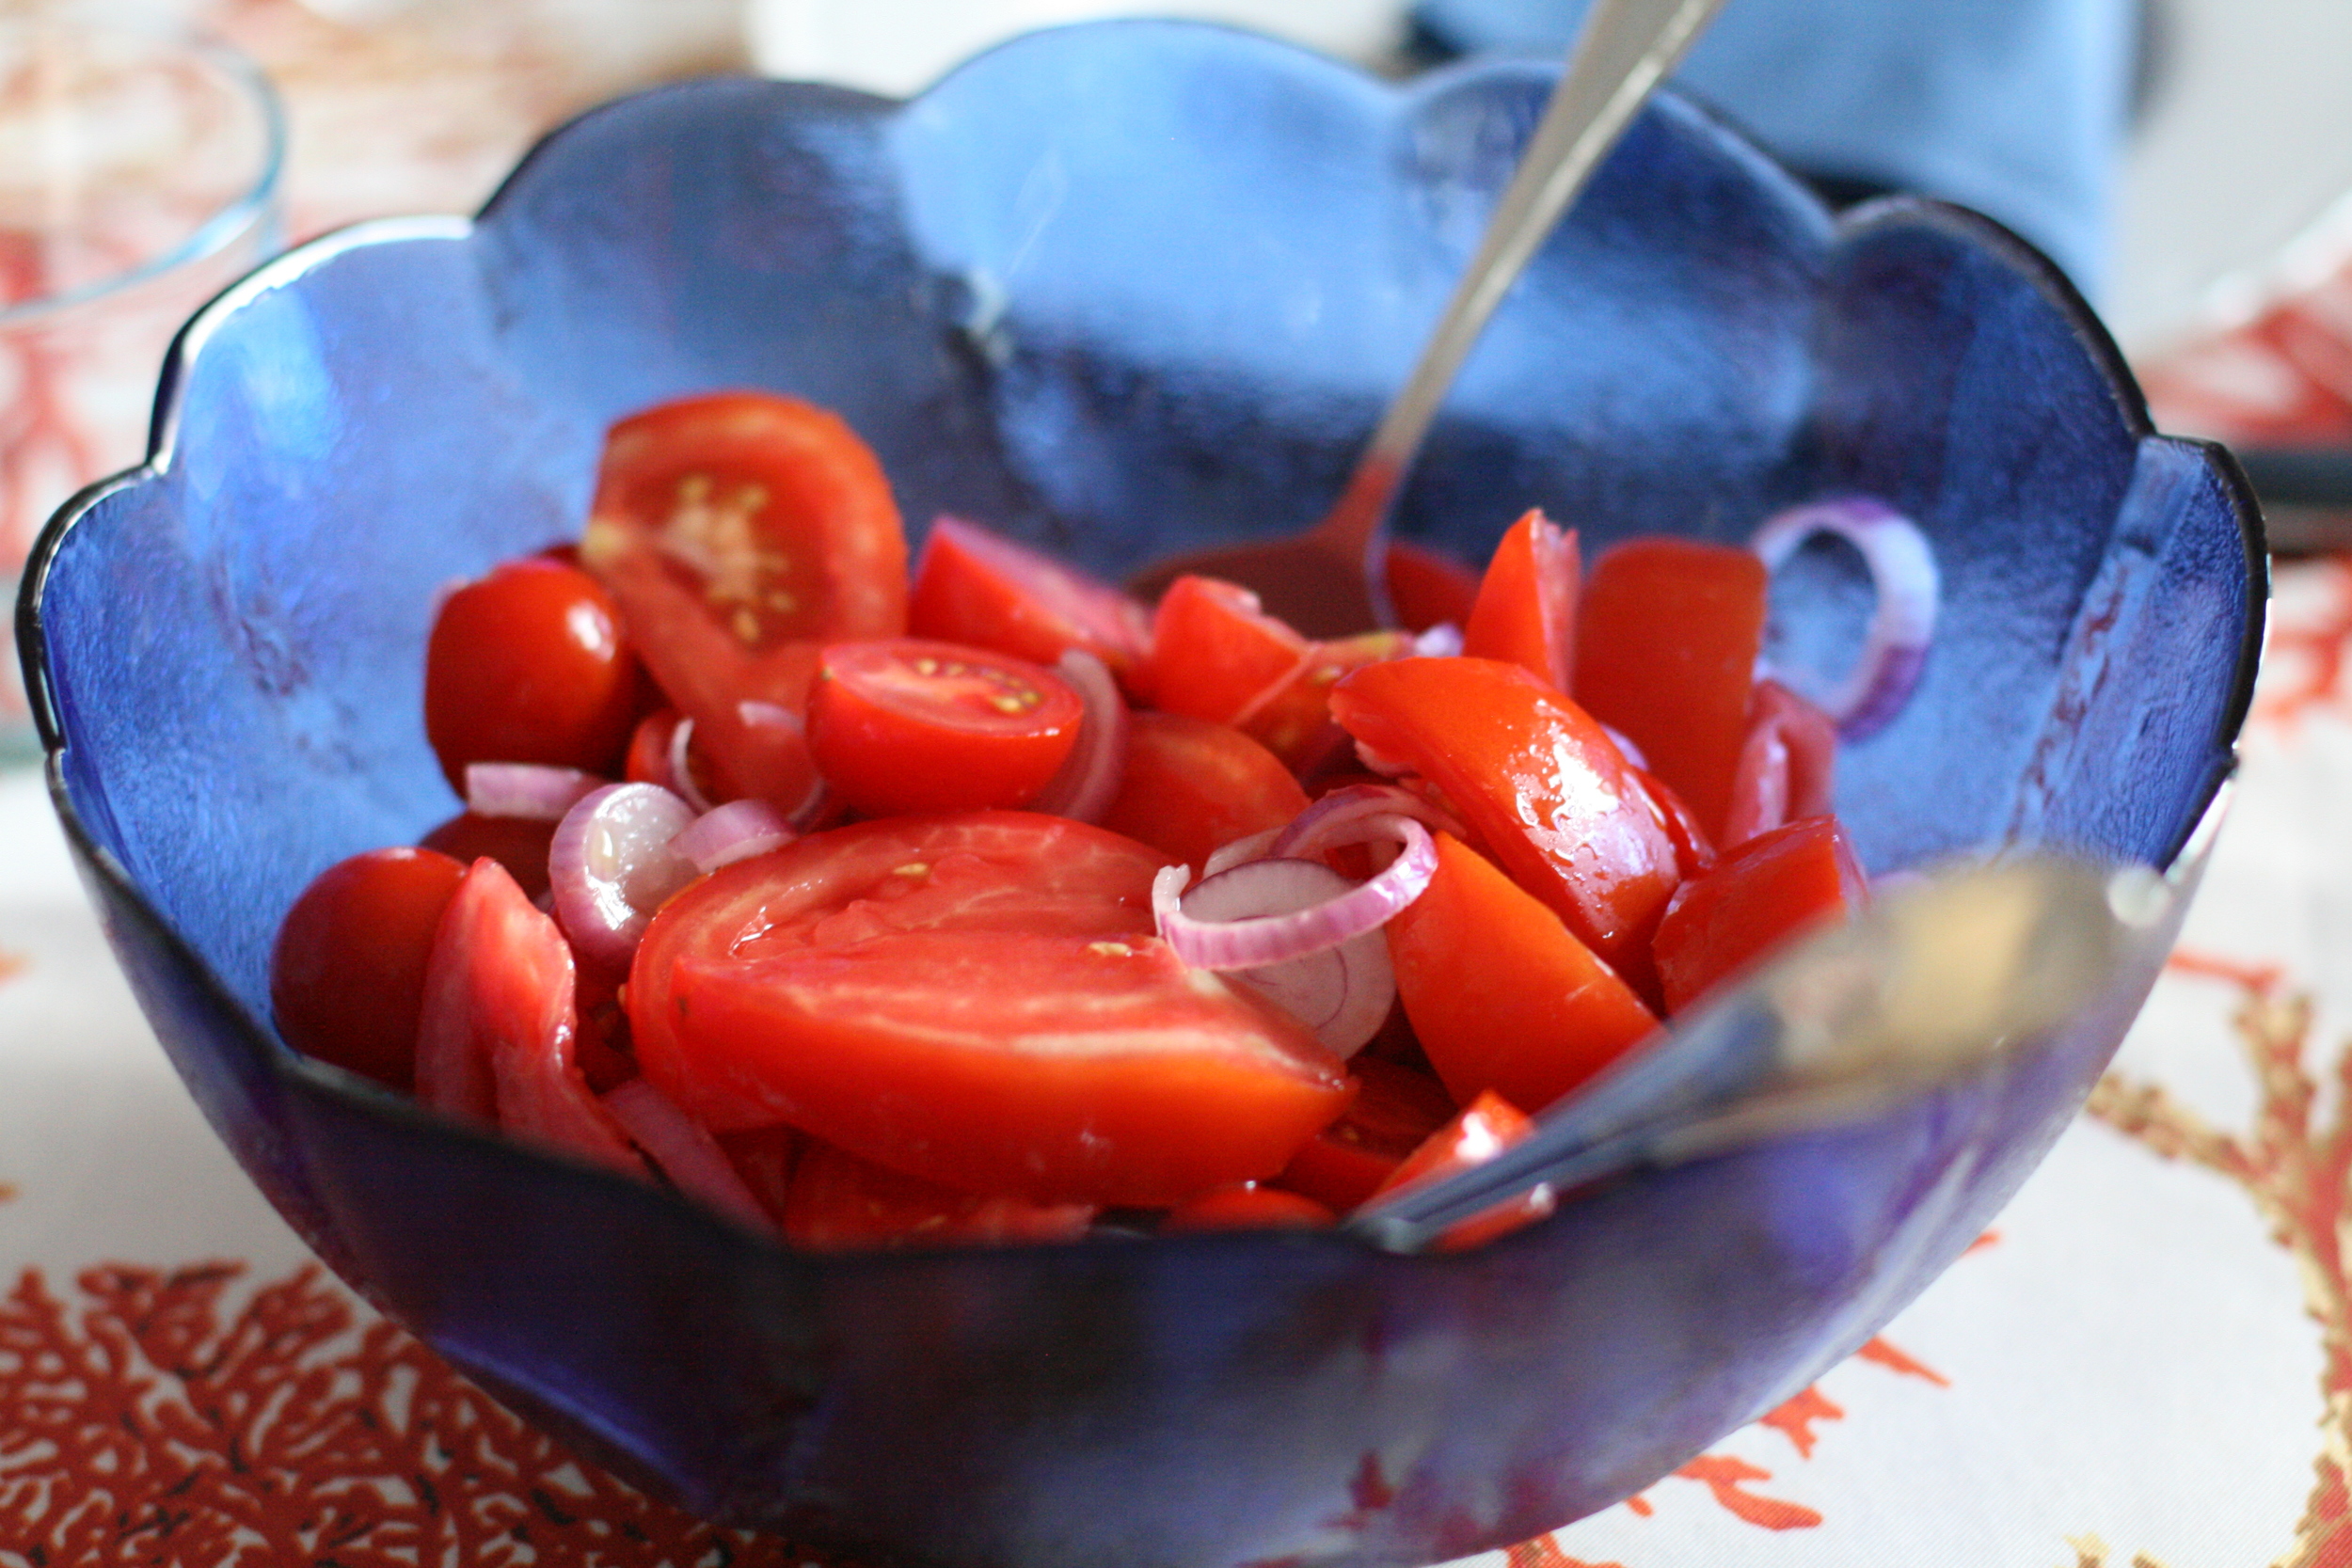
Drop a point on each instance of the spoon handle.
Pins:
(1624, 49)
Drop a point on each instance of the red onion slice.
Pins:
(1342, 992)
(684, 1152)
(1902, 622)
(1442, 640)
(1090, 775)
(612, 865)
(1249, 943)
(1353, 815)
(1227, 856)
(735, 832)
(682, 768)
(525, 790)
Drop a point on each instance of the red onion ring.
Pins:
(1902, 622)
(682, 768)
(1227, 856)
(525, 790)
(1341, 992)
(1246, 944)
(685, 1152)
(1353, 815)
(735, 832)
(611, 865)
(1090, 775)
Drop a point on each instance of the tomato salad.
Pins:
(985, 903)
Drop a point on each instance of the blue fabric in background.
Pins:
(2014, 107)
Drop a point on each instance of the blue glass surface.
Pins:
(1120, 289)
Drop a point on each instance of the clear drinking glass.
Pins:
(139, 175)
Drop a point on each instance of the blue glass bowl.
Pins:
(1120, 289)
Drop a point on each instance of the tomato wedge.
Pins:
(1486, 1127)
(977, 1000)
(1787, 765)
(737, 531)
(913, 726)
(1760, 895)
(1501, 995)
(1526, 608)
(1666, 641)
(980, 589)
(1216, 655)
(1395, 1109)
(1546, 790)
(1293, 719)
(1427, 586)
(346, 978)
(1246, 1206)
(1192, 786)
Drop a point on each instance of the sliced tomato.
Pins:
(913, 726)
(1787, 765)
(980, 589)
(737, 531)
(1395, 1110)
(1666, 641)
(1293, 719)
(1486, 1127)
(977, 1000)
(1215, 654)
(346, 977)
(1247, 1206)
(518, 843)
(498, 1033)
(1526, 608)
(1695, 852)
(527, 664)
(1192, 786)
(838, 1200)
(1545, 789)
(1761, 893)
(1427, 586)
(1501, 995)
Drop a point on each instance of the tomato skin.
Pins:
(1246, 1206)
(980, 589)
(1526, 608)
(1428, 587)
(1695, 852)
(1502, 996)
(907, 726)
(737, 531)
(516, 843)
(838, 1200)
(1535, 778)
(346, 975)
(977, 1000)
(1761, 893)
(1486, 1127)
(1666, 641)
(1395, 1109)
(1192, 786)
(527, 664)
(1294, 718)
(1215, 654)
(1787, 765)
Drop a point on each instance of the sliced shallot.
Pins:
(1090, 775)
(1353, 814)
(776, 715)
(682, 767)
(735, 832)
(526, 790)
(683, 1150)
(1342, 992)
(1226, 856)
(612, 865)
(1903, 622)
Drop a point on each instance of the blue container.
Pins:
(1120, 289)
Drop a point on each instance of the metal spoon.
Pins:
(1927, 986)
(1325, 581)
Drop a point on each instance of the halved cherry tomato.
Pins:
(978, 1000)
(1294, 718)
(527, 664)
(1246, 1206)
(913, 726)
(1486, 1127)
(346, 978)
(1760, 895)
(737, 531)
(1396, 1108)
(1192, 786)
(1427, 586)
(1666, 641)
(1532, 773)
(982, 589)
(1501, 995)
(1215, 654)
(1787, 765)
(1526, 608)
(520, 844)
(839, 1200)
